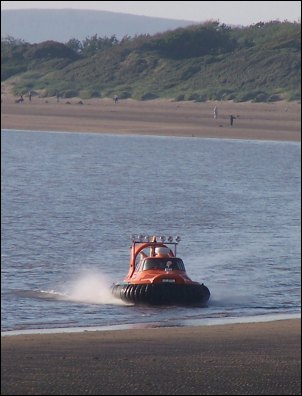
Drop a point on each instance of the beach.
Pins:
(231, 359)
(280, 121)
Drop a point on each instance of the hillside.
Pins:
(210, 61)
(35, 26)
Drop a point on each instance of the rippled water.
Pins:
(70, 202)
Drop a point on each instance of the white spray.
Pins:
(91, 287)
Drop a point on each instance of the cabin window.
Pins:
(171, 263)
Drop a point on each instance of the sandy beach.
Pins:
(265, 121)
(234, 359)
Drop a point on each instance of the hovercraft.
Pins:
(157, 276)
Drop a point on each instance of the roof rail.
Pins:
(155, 239)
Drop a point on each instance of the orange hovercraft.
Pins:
(157, 276)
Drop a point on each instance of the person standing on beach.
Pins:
(232, 119)
(215, 112)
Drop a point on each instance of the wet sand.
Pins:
(265, 121)
(233, 359)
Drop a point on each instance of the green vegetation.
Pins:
(212, 61)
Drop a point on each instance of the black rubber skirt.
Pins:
(162, 294)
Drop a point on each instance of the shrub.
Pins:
(70, 93)
(193, 96)
(180, 98)
(201, 98)
(294, 95)
(255, 96)
(149, 96)
(274, 98)
(89, 94)
(125, 95)
(261, 97)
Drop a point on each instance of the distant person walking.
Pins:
(58, 96)
(232, 119)
(115, 98)
(29, 95)
(215, 112)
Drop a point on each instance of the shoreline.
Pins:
(245, 359)
(294, 141)
(144, 325)
(280, 121)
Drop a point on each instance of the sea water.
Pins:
(71, 201)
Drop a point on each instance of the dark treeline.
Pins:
(196, 40)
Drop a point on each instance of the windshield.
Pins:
(167, 263)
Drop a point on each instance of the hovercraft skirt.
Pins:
(162, 294)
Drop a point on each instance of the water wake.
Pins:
(89, 287)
